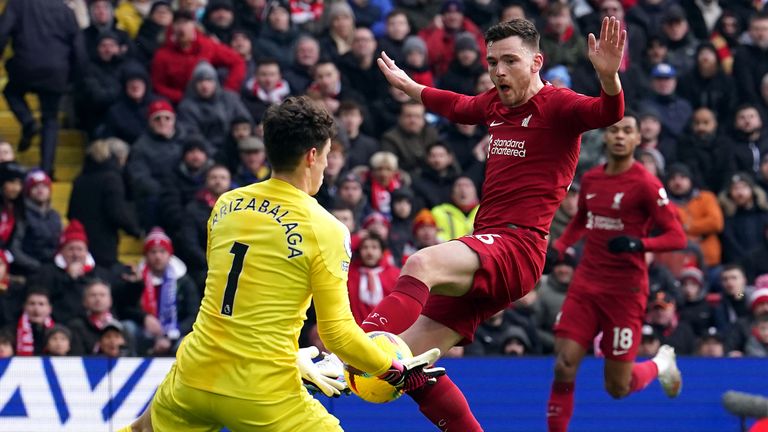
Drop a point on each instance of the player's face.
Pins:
(512, 66)
(622, 137)
(317, 167)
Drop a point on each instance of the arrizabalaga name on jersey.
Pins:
(293, 239)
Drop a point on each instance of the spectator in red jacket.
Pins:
(372, 276)
(440, 39)
(184, 48)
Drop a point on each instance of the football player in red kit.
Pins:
(619, 203)
(445, 291)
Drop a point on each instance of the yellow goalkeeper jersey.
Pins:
(271, 248)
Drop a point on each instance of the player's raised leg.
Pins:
(560, 407)
(442, 403)
(446, 269)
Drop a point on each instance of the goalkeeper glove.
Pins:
(323, 374)
(625, 244)
(413, 373)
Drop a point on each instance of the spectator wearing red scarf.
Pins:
(383, 178)
(372, 276)
(34, 321)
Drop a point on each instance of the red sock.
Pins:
(396, 312)
(560, 406)
(445, 406)
(642, 375)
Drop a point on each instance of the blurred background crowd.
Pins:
(167, 99)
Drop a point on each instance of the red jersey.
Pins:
(533, 148)
(631, 203)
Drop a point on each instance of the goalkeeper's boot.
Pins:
(670, 378)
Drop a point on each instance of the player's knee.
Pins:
(418, 265)
(617, 389)
(565, 367)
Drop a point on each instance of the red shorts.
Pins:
(620, 317)
(511, 261)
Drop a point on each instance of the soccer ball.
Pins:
(371, 388)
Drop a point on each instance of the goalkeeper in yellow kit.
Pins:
(271, 249)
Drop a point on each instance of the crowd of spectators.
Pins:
(171, 96)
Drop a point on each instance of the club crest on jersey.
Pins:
(617, 200)
(663, 198)
(526, 120)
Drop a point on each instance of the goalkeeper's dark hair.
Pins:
(519, 27)
(292, 128)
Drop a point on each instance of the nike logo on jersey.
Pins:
(494, 123)
(590, 196)
(620, 352)
(368, 322)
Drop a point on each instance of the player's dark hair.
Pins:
(634, 115)
(521, 28)
(292, 128)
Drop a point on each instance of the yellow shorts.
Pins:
(177, 407)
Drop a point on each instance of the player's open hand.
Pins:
(414, 373)
(605, 53)
(318, 376)
(397, 77)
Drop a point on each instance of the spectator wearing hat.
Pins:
(699, 212)
(456, 218)
(192, 235)
(97, 314)
(441, 40)
(185, 47)
(750, 62)
(100, 87)
(152, 29)
(112, 341)
(434, 183)
(340, 29)
(745, 207)
(34, 321)
(561, 43)
(495, 337)
(48, 52)
(372, 276)
(163, 300)
(98, 200)
(219, 20)
(130, 14)
(400, 231)
(674, 111)
(57, 341)
(265, 88)
(738, 334)
(277, 36)
(707, 85)
(465, 68)
(183, 182)
(66, 278)
(126, 119)
(649, 342)
(750, 143)
(681, 41)
(334, 171)
(306, 54)
(734, 300)
(156, 149)
(351, 195)
(207, 109)
(42, 223)
(396, 30)
(102, 20)
(254, 166)
(695, 308)
(662, 316)
(550, 295)
(705, 150)
(424, 229)
(711, 344)
(359, 66)
(375, 223)
(565, 212)
(411, 137)
(416, 61)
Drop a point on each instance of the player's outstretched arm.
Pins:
(398, 78)
(605, 54)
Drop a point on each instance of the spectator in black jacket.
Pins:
(103, 21)
(97, 308)
(694, 307)
(708, 86)
(306, 55)
(734, 300)
(127, 117)
(70, 271)
(745, 207)
(48, 52)
(397, 30)
(465, 67)
(750, 62)
(181, 185)
(98, 201)
(750, 142)
(156, 149)
(219, 20)
(12, 216)
(277, 36)
(361, 146)
(152, 30)
(662, 316)
(705, 150)
(737, 334)
(433, 185)
(43, 223)
(266, 87)
(192, 235)
(359, 66)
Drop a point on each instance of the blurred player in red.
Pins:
(445, 291)
(619, 203)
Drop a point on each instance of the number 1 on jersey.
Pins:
(228, 304)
